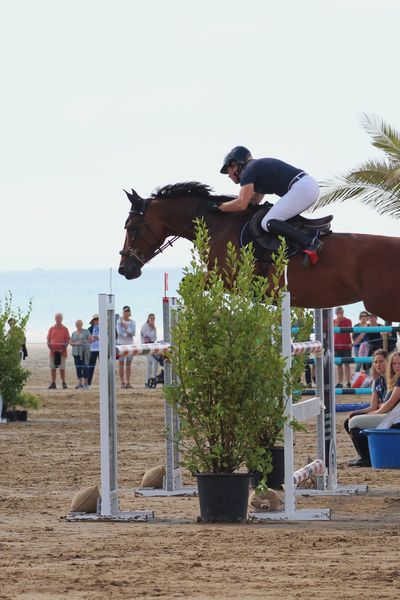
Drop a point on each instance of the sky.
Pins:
(99, 95)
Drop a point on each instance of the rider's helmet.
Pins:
(239, 155)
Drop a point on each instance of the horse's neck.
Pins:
(222, 227)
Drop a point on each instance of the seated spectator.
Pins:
(375, 417)
(148, 335)
(342, 344)
(57, 342)
(126, 329)
(94, 346)
(378, 395)
(80, 342)
(358, 338)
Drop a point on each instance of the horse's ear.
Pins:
(132, 196)
(135, 200)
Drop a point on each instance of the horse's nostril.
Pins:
(121, 270)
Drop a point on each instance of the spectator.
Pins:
(126, 329)
(148, 335)
(358, 338)
(378, 395)
(342, 344)
(94, 346)
(23, 352)
(375, 417)
(391, 339)
(374, 340)
(57, 342)
(80, 342)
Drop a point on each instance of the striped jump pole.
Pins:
(367, 391)
(173, 485)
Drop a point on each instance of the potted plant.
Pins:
(23, 402)
(12, 375)
(226, 352)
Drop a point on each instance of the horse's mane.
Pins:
(184, 188)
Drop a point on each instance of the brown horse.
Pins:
(352, 267)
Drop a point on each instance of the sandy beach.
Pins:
(45, 461)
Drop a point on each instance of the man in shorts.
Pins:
(343, 344)
(57, 341)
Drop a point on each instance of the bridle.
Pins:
(136, 234)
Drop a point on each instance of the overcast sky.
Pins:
(101, 95)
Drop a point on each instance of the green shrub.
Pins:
(12, 375)
(226, 352)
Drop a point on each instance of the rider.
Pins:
(297, 190)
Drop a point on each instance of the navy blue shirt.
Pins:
(389, 393)
(269, 175)
(379, 386)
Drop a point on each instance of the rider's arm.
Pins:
(391, 403)
(256, 199)
(240, 203)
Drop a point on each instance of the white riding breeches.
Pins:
(303, 194)
(367, 421)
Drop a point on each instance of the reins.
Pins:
(135, 229)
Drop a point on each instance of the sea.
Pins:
(74, 293)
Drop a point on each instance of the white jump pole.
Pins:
(108, 506)
(302, 411)
(327, 484)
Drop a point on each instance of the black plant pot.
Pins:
(276, 477)
(11, 415)
(22, 415)
(223, 497)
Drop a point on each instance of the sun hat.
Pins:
(93, 318)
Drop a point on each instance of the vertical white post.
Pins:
(108, 409)
(320, 393)
(331, 395)
(288, 431)
(168, 410)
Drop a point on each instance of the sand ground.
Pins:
(42, 557)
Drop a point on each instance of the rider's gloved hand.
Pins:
(213, 205)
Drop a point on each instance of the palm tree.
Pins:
(375, 182)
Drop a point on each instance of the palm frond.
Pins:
(385, 199)
(374, 171)
(384, 136)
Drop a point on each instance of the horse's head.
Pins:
(169, 212)
(141, 239)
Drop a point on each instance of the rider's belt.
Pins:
(296, 179)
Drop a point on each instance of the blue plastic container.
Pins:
(384, 448)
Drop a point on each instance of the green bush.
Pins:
(12, 375)
(226, 352)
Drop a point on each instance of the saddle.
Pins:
(265, 244)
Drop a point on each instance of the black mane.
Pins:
(184, 188)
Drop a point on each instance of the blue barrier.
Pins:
(351, 407)
(348, 360)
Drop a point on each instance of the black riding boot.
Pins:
(360, 442)
(309, 245)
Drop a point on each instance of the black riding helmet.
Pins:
(239, 155)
